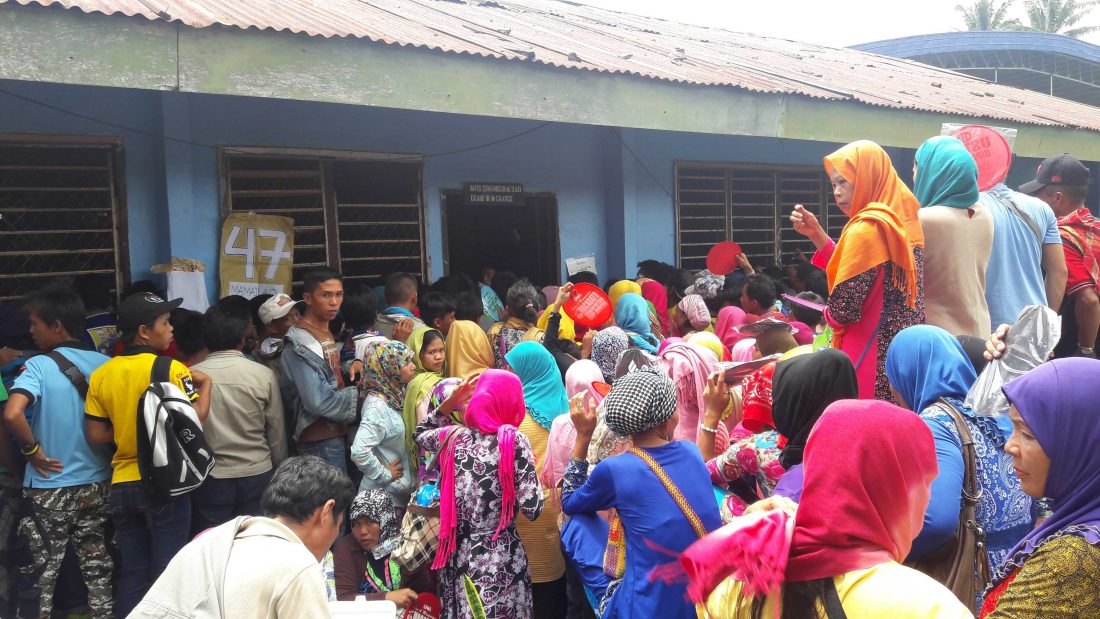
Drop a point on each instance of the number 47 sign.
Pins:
(256, 254)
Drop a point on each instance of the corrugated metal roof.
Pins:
(575, 36)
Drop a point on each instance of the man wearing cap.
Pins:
(148, 534)
(1063, 183)
(279, 314)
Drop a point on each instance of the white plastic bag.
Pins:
(1029, 343)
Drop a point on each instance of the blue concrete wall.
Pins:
(173, 188)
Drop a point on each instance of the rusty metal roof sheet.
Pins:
(574, 36)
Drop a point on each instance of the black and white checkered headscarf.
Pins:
(375, 504)
(640, 400)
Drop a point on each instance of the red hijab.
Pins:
(869, 467)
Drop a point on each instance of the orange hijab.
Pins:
(883, 225)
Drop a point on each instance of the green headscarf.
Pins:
(419, 388)
(946, 174)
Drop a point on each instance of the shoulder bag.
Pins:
(419, 534)
(962, 564)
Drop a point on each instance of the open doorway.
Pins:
(522, 239)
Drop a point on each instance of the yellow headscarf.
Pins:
(566, 329)
(621, 287)
(709, 340)
(467, 350)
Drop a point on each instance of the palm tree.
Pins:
(1060, 16)
(988, 15)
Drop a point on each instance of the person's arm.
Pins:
(580, 493)
(97, 423)
(553, 327)
(586, 344)
(16, 422)
(941, 519)
(529, 496)
(1087, 309)
(7, 456)
(845, 305)
(200, 393)
(1054, 268)
(805, 223)
(316, 396)
(369, 436)
(716, 399)
(275, 421)
(347, 574)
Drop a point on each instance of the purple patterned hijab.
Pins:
(1057, 400)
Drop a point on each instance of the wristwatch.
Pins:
(1086, 351)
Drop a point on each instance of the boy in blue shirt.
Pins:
(67, 480)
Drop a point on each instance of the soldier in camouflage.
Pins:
(66, 482)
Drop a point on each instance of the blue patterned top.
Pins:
(1004, 511)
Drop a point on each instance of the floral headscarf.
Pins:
(383, 361)
(607, 345)
(376, 505)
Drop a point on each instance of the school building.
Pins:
(435, 136)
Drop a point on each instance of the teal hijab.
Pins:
(543, 387)
(946, 174)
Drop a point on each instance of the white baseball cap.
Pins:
(276, 307)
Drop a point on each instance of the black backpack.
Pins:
(173, 456)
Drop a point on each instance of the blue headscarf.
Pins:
(946, 174)
(632, 316)
(925, 363)
(543, 387)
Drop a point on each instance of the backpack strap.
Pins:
(671, 488)
(162, 370)
(833, 608)
(71, 372)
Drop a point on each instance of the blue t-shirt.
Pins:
(56, 416)
(1014, 277)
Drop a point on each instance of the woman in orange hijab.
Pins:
(874, 269)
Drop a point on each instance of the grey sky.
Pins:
(840, 22)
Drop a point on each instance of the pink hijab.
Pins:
(689, 365)
(559, 446)
(729, 318)
(695, 310)
(496, 407)
(655, 293)
(742, 350)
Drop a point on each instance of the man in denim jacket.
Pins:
(321, 404)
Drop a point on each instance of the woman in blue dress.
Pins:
(929, 370)
(660, 490)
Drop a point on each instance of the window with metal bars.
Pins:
(62, 213)
(750, 205)
(362, 216)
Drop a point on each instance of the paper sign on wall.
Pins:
(580, 263)
(256, 254)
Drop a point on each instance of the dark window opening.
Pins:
(62, 213)
(750, 205)
(521, 239)
(364, 217)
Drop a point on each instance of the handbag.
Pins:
(419, 535)
(614, 559)
(962, 565)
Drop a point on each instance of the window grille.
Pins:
(62, 213)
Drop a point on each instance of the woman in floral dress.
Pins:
(876, 281)
(487, 473)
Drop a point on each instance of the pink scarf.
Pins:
(729, 318)
(559, 446)
(742, 350)
(689, 365)
(655, 293)
(868, 469)
(496, 407)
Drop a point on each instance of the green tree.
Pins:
(1060, 16)
(988, 15)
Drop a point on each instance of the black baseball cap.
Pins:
(139, 308)
(1064, 169)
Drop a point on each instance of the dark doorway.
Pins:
(522, 239)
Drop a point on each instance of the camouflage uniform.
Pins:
(77, 514)
(10, 499)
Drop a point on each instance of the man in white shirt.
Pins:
(261, 567)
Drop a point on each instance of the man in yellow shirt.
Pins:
(148, 534)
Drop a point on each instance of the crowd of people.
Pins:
(794, 442)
